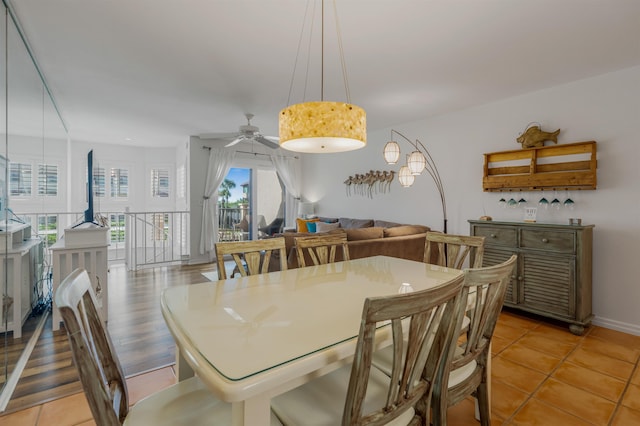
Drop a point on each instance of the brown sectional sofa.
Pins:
(368, 237)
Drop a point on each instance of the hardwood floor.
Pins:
(140, 336)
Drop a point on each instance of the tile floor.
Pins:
(542, 375)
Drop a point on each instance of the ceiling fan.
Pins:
(245, 133)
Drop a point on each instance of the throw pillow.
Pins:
(328, 219)
(346, 223)
(311, 226)
(398, 231)
(385, 223)
(355, 234)
(302, 224)
(325, 227)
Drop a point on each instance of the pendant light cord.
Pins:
(340, 50)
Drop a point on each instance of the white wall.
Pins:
(605, 109)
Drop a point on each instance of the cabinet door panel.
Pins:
(549, 284)
(493, 256)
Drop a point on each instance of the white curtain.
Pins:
(288, 169)
(220, 161)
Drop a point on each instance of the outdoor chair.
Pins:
(275, 227)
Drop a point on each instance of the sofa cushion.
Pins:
(301, 224)
(328, 219)
(398, 231)
(325, 227)
(385, 223)
(355, 234)
(348, 223)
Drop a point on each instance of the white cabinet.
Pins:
(19, 275)
(93, 259)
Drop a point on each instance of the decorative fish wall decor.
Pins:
(534, 137)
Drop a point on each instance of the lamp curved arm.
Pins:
(432, 169)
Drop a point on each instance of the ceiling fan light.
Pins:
(416, 162)
(322, 127)
(391, 152)
(405, 177)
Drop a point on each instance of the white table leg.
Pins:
(183, 370)
(252, 412)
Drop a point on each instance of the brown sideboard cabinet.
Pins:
(553, 276)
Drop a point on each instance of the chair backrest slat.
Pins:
(320, 249)
(432, 317)
(454, 250)
(490, 285)
(250, 257)
(98, 366)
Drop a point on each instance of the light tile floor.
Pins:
(542, 375)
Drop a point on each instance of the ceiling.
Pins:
(153, 72)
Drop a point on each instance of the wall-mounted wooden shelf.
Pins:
(569, 166)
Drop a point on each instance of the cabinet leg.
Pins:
(576, 329)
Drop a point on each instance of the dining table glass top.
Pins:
(249, 325)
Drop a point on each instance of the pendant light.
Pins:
(323, 126)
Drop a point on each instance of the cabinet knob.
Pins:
(492, 235)
(544, 240)
(519, 277)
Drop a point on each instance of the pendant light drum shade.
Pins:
(322, 127)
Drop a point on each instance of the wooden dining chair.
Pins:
(250, 257)
(187, 402)
(453, 250)
(358, 394)
(320, 249)
(467, 373)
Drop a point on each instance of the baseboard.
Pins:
(617, 325)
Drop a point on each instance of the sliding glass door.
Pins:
(250, 202)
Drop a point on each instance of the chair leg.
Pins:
(439, 409)
(482, 394)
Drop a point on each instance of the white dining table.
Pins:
(252, 338)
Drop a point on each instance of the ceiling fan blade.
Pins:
(235, 141)
(266, 140)
(218, 135)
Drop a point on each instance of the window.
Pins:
(116, 226)
(99, 182)
(47, 180)
(159, 183)
(20, 179)
(48, 228)
(119, 183)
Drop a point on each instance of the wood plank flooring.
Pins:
(140, 336)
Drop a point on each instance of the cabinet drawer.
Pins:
(550, 240)
(497, 236)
